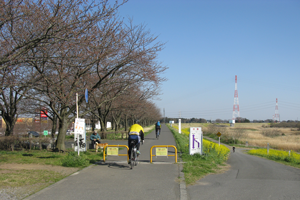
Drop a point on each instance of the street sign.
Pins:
(219, 134)
(45, 132)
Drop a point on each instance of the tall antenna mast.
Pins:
(276, 116)
(236, 106)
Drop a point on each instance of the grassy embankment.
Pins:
(196, 166)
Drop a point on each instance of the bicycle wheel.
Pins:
(136, 159)
(132, 159)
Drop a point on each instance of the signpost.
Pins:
(80, 135)
(196, 138)
(219, 135)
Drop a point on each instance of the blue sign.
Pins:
(86, 96)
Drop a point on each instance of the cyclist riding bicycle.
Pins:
(136, 133)
(157, 127)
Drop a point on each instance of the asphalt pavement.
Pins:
(113, 179)
(249, 178)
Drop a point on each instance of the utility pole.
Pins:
(236, 106)
(164, 116)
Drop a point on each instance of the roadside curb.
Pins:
(54, 184)
(182, 185)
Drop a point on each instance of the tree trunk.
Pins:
(103, 125)
(63, 127)
(54, 126)
(10, 123)
(113, 124)
(126, 123)
(93, 123)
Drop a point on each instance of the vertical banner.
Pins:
(179, 126)
(79, 134)
(196, 138)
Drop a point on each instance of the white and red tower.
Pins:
(236, 106)
(276, 116)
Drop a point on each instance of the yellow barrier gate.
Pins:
(117, 154)
(175, 149)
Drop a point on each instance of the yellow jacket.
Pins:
(136, 129)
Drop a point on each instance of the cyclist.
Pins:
(136, 133)
(157, 127)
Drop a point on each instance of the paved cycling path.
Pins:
(115, 180)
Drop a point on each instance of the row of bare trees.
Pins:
(51, 50)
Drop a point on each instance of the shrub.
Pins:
(73, 160)
(271, 133)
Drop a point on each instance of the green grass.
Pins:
(45, 157)
(196, 166)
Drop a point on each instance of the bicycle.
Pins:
(134, 155)
(157, 134)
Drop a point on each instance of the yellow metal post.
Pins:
(175, 149)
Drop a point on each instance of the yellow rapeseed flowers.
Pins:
(277, 155)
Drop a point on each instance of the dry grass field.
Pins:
(256, 134)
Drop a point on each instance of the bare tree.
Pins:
(72, 46)
(29, 24)
(15, 82)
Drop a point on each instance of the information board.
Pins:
(112, 151)
(196, 138)
(79, 133)
(162, 151)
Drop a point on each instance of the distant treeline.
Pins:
(287, 124)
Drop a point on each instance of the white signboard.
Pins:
(179, 126)
(79, 133)
(196, 138)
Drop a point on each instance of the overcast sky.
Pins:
(208, 42)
